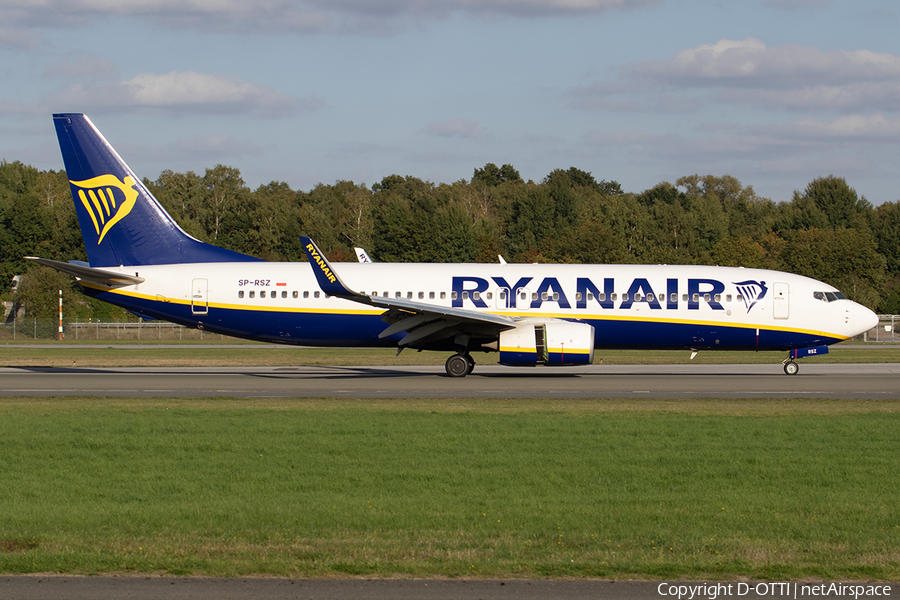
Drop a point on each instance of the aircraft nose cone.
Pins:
(864, 319)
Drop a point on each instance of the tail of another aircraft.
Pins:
(121, 222)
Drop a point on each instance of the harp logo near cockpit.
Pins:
(753, 291)
(106, 200)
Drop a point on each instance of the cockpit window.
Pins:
(829, 296)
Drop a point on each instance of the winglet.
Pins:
(328, 280)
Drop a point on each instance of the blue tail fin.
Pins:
(121, 222)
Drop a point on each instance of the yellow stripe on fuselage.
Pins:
(567, 316)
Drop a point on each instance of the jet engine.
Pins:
(547, 342)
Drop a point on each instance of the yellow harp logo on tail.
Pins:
(98, 197)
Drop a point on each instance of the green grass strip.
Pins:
(431, 488)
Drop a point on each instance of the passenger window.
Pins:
(490, 295)
(294, 294)
(684, 298)
(543, 295)
(556, 296)
(409, 295)
(476, 295)
(315, 294)
(727, 297)
(718, 297)
(706, 297)
(452, 295)
(696, 298)
(252, 293)
(443, 295)
(306, 294)
(421, 295)
(625, 297)
(649, 297)
(503, 295)
(397, 295)
(241, 294)
(465, 295)
(673, 298)
(262, 294)
(739, 298)
(578, 296)
(431, 295)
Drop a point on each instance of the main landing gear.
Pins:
(459, 365)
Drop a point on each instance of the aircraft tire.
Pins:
(791, 368)
(458, 366)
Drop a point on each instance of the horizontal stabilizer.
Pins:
(101, 276)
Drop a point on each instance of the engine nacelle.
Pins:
(547, 343)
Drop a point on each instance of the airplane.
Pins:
(526, 314)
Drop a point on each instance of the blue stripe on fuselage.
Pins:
(361, 330)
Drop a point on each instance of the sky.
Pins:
(773, 92)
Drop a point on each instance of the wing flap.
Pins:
(421, 321)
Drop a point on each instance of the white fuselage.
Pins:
(642, 306)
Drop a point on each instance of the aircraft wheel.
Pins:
(471, 362)
(458, 366)
(791, 368)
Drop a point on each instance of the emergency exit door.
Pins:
(199, 305)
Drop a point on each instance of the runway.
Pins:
(836, 381)
(63, 587)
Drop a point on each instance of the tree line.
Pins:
(826, 231)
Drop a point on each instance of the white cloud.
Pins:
(184, 92)
(455, 128)
(71, 67)
(848, 128)
(750, 62)
(200, 149)
(747, 72)
(292, 15)
(792, 4)
(18, 39)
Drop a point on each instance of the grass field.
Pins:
(701, 489)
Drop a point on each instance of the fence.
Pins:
(29, 328)
(885, 331)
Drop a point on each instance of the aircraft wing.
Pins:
(423, 323)
(83, 272)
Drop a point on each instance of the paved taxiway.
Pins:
(42, 587)
(847, 381)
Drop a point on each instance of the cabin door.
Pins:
(781, 300)
(199, 305)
